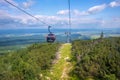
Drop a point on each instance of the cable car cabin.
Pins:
(50, 37)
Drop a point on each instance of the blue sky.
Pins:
(86, 14)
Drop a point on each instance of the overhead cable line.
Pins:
(26, 12)
(69, 31)
(69, 16)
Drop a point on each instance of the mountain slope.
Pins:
(96, 59)
(82, 60)
(29, 63)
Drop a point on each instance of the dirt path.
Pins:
(62, 64)
(67, 65)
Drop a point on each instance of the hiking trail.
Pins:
(62, 64)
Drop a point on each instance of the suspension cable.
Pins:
(26, 12)
(69, 32)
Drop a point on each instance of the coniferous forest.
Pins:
(97, 59)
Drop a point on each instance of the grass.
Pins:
(61, 67)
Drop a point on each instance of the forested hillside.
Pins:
(96, 59)
(28, 64)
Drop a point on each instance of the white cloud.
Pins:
(1, 1)
(114, 4)
(3, 13)
(63, 12)
(11, 21)
(28, 3)
(97, 8)
(76, 12)
(79, 13)
(56, 21)
(22, 21)
(112, 23)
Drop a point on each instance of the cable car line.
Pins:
(69, 16)
(49, 29)
(50, 37)
(69, 30)
(26, 12)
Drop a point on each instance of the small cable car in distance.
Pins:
(50, 37)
